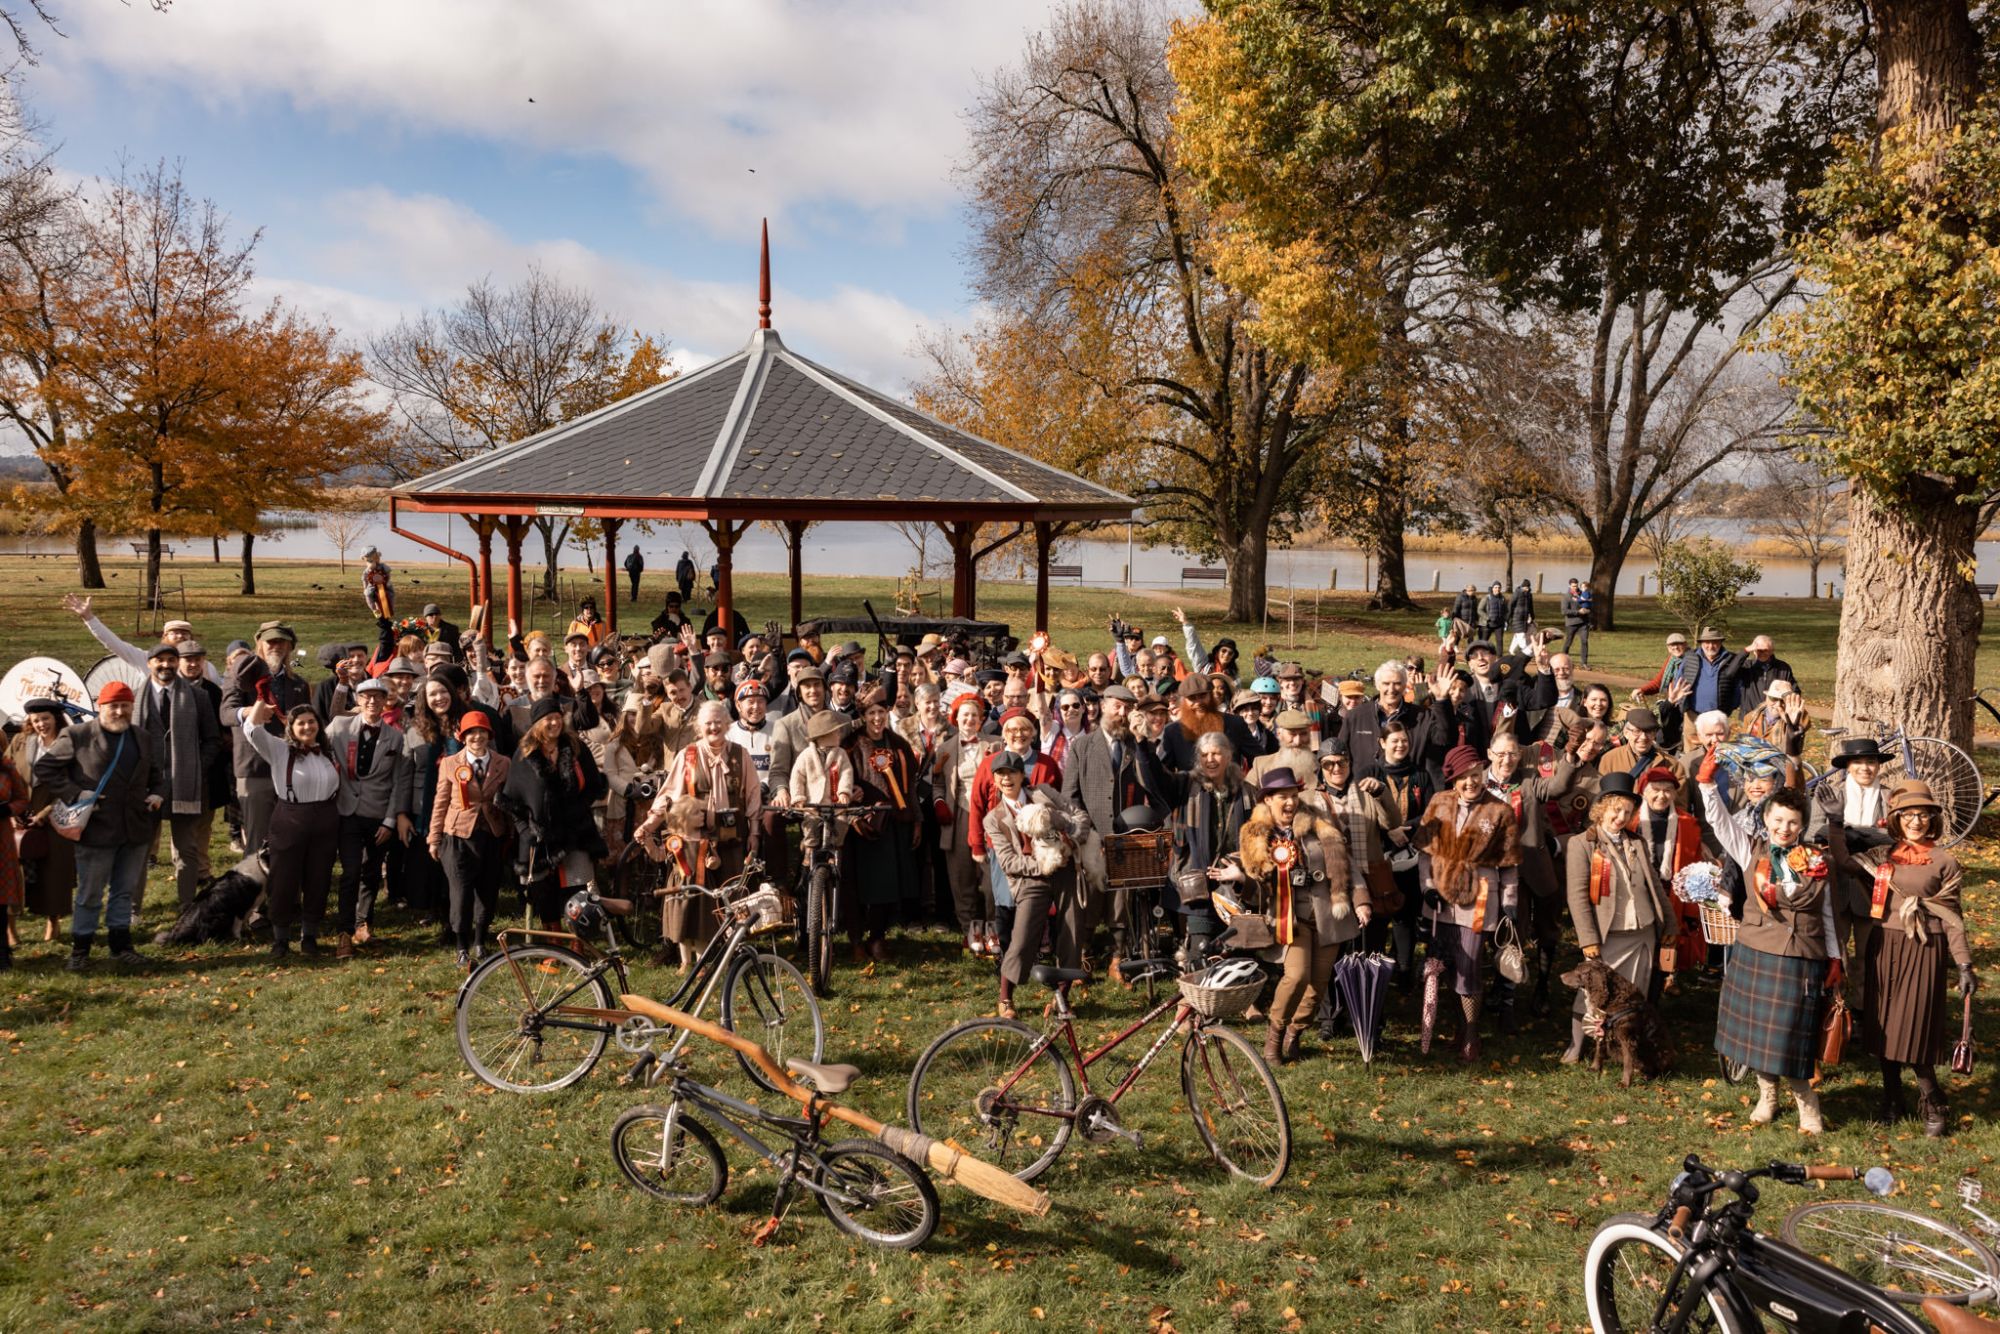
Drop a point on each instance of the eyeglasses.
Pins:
(1070, 708)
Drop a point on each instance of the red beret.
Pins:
(114, 692)
(1661, 774)
(1016, 712)
(1461, 761)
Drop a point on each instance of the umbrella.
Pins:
(1748, 757)
(1433, 983)
(1363, 980)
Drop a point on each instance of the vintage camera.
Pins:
(643, 788)
(729, 826)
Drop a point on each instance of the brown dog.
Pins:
(1628, 1024)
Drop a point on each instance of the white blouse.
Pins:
(300, 777)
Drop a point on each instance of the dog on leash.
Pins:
(222, 906)
(1617, 1015)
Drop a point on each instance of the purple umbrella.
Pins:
(1363, 980)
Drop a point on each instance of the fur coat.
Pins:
(1490, 838)
(1321, 884)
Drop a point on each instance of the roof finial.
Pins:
(764, 280)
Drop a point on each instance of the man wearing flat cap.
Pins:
(1103, 774)
(186, 739)
(438, 630)
(173, 632)
(267, 675)
(1640, 748)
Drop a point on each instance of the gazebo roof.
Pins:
(765, 433)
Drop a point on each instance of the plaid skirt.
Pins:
(1770, 1010)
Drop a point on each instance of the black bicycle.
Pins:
(1698, 1265)
(826, 825)
(535, 1015)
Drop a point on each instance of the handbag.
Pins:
(1191, 886)
(945, 814)
(68, 818)
(1507, 953)
(1834, 1030)
(1961, 1051)
(31, 843)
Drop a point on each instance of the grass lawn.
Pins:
(217, 1141)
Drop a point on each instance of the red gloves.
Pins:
(1706, 773)
(1834, 974)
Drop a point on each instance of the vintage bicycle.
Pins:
(819, 880)
(1953, 777)
(536, 1015)
(1909, 1255)
(1699, 1265)
(1010, 1094)
(872, 1189)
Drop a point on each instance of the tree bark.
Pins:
(1392, 581)
(1605, 563)
(1245, 560)
(1910, 620)
(89, 570)
(249, 569)
(1813, 591)
(153, 569)
(215, 548)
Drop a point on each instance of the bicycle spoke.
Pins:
(978, 1087)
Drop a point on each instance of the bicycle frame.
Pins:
(1768, 1277)
(718, 1109)
(1067, 1028)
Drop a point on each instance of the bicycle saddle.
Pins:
(828, 1079)
(1951, 1319)
(1051, 976)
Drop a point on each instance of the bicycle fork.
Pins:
(787, 1177)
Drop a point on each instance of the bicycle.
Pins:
(1136, 864)
(1953, 777)
(675, 1157)
(535, 1017)
(1696, 1266)
(1909, 1255)
(819, 880)
(1008, 1092)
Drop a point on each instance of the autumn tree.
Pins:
(1631, 162)
(501, 365)
(1090, 240)
(1894, 362)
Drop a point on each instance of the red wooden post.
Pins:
(485, 594)
(1041, 576)
(724, 533)
(611, 527)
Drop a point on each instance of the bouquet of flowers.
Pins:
(1698, 882)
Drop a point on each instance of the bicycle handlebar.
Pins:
(1830, 1172)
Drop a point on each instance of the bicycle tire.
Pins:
(967, 1061)
(763, 998)
(1881, 1244)
(1140, 930)
(1953, 778)
(639, 1148)
(500, 1035)
(1627, 1252)
(1732, 1071)
(819, 931)
(891, 1187)
(1226, 1083)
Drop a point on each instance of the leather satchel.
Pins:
(1961, 1051)
(1834, 1030)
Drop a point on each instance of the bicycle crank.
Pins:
(1097, 1119)
(636, 1034)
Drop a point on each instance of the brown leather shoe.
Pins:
(1117, 975)
(362, 935)
(1005, 1009)
(1291, 1047)
(343, 947)
(1274, 1044)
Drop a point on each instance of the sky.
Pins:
(391, 152)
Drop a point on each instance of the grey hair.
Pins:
(925, 690)
(1396, 669)
(711, 707)
(1712, 718)
(1215, 741)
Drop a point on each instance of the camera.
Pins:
(643, 788)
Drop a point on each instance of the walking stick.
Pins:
(946, 1160)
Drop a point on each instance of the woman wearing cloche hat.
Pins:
(1914, 901)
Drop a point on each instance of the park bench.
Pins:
(1986, 590)
(1066, 572)
(1203, 574)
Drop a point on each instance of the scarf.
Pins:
(187, 782)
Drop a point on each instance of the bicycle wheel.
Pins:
(503, 1025)
(1236, 1104)
(1910, 1256)
(1140, 930)
(889, 1201)
(690, 1170)
(764, 998)
(1627, 1270)
(955, 1095)
(1733, 1071)
(1953, 778)
(819, 931)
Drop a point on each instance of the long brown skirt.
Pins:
(1902, 997)
(692, 920)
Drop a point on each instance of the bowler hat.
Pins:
(1280, 778)
(1851, 748)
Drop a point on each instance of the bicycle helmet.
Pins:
(1234, 973)
(1265, 685)
(1134, 819)
(584, 913)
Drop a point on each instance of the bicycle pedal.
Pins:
(767, 1230)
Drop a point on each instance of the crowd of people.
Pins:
(1431, 816)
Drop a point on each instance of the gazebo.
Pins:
(761, 435)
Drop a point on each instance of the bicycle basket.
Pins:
(1225, 1002)
(1717, 926)
(766, 910)
(1132, 861)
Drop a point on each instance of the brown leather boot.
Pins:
(1292, 1036)
(343, 947)
(1274, 1044)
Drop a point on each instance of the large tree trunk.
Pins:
(1606, 563)
(1910, 617)
(1910, 621)
(249, 568)
(1813, 591)
(89, 570)
(552, 541)
(1246, 561)
(1392, 580)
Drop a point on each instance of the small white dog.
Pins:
(1056, 845)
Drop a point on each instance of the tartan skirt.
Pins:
(1769, 1015)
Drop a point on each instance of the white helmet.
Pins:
(1233, 973)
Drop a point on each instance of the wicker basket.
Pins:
(1717, 926)
(1218, 1002)
(1137, 860)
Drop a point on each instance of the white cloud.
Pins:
(428, 249)
(831, 101)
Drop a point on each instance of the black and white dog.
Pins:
(222, 908)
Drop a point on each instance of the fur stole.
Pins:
(1254, 845)
(1490, 838)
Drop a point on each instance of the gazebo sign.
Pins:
(560, 511)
